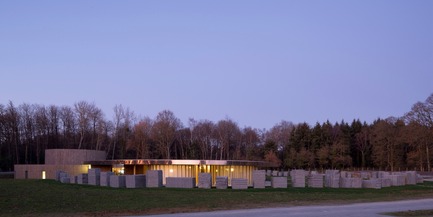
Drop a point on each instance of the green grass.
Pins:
(50, 198)
(417, 213)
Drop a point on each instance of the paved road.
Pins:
(352, 210)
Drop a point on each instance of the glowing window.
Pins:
(44, 176)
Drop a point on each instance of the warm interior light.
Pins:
(90, 166)
(171, 170)
(216, 170)
(232, 169)
(44, 175)
(118, 169)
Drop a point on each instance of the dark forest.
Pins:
(392, 143)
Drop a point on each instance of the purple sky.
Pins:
(257, 62)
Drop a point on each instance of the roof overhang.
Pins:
(180, 162)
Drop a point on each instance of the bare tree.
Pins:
(27, 126)
(202, 135)
(123, 121)
(53, 113)
(140, 139)
(42, 128)
(164, 130)
(183, 143)
(11, 117)
(83, 110)
(251, 141)
(228, 136)
(386, 140)
(68, 126)
(280, 134)
(363, 143)
(422, 114)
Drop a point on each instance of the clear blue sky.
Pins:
(256, 62)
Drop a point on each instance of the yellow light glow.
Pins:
(216, 170)
(171, 170)
(90, 166)
(44, 176)
(232, 169)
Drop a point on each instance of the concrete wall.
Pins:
(34, 171)
(72, 156)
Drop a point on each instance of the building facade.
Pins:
(75, 162)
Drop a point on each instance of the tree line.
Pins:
(393, 143)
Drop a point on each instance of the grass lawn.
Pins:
(50, 198)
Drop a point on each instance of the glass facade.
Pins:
(184, 168)
(231, 171)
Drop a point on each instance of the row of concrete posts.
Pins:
(260, 179)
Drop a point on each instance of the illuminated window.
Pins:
(44, 175)
(118, 169)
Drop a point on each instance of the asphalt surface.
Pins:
(352, 210)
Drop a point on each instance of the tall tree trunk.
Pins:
(421, 161)
(114, 149)
(428, 158)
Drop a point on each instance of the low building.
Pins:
(70, 161)
(74, 162)
(183, 168)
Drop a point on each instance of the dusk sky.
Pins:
(256, 62)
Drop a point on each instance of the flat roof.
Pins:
(181, 162)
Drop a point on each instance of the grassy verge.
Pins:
(50, 198)
(417, 213)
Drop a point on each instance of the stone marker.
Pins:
(221, 182)
(298, 178)
(154, 178)
(411, 177)
(350, 182)
(259, 178)
(238, 183)
(315, 180)
(278, 182)
(135, 181)
(117, 181)
(74, 180)
(332, 178)
(105, 178)
(94, 176)
(180, 182)
(204, 180)
(65, 180)
(82, 179)
(372, 183)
